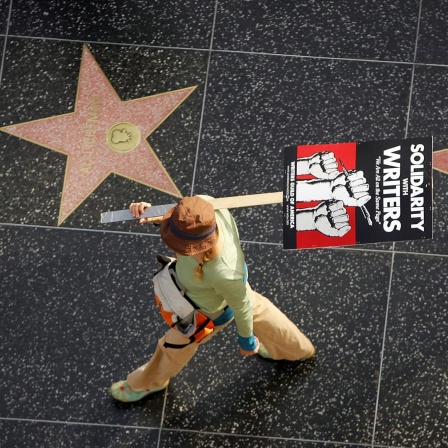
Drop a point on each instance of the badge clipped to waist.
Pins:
(176, 308)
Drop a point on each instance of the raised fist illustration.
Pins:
(352, 189)
(321, 165)
(331, 218)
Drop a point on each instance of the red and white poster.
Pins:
(343, 194)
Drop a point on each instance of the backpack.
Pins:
(176, 308)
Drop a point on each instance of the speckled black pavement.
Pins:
(76, 305)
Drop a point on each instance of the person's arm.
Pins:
(240, 300)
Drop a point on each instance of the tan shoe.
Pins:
(310, 355)
(121, 391)
(263, 352)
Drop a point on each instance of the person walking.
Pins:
(211, 268)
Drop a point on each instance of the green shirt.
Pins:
(222, 281)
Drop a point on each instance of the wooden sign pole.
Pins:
(157, 211)
(247, 200)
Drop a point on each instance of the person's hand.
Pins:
(352, 189)
(138, 208)
(246, 353)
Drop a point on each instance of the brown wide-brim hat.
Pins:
(190, 227)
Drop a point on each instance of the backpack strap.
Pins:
(168, 345)
(179, 346)
(193, 338)
(176, 282)
(163, 260)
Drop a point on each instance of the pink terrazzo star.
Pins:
(104, 135)
(440, 160)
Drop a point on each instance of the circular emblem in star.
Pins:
(123, 137)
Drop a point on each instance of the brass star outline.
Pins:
(139, 164)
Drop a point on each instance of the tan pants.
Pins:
(281, 338)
